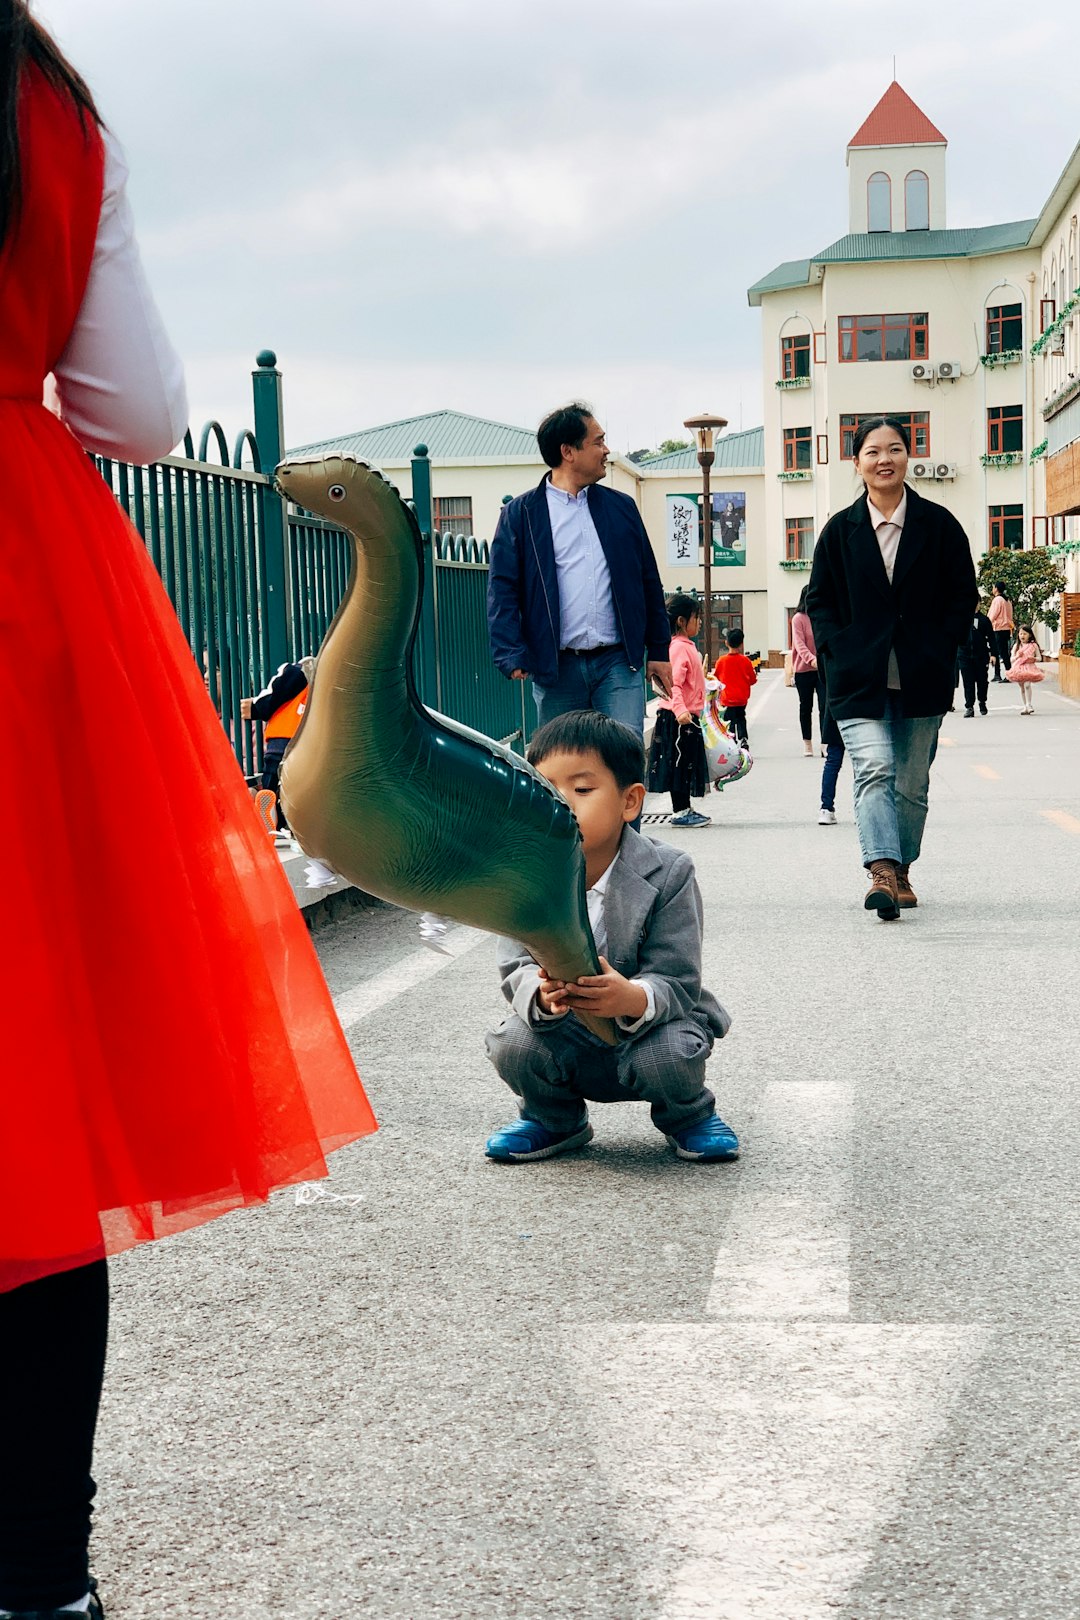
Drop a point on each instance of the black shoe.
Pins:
(969, 714)
(982, 706)
(94, 1612)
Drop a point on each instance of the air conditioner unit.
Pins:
(944, 469)
(1057, 342)
(922, 371)
(921, 469)
(949, 370)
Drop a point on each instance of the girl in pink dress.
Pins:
(1025, 671)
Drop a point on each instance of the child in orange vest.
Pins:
(280, 705)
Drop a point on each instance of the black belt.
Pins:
(583, 652)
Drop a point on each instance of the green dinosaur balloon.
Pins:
(410, 806)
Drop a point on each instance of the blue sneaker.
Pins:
(711, 1139)
(690, 818)
(526, 1139)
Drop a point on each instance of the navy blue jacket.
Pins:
(523, 590)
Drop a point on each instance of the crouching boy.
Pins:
(645, 911)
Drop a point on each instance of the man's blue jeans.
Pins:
(601, 681)
(890, 761)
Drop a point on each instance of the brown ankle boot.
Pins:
(905, 894)
(882, 895)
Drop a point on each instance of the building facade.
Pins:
(968, 336)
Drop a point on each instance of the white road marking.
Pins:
(764, 1458)
(367, 997)
(787, 1242)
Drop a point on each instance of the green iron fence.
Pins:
(254, 584)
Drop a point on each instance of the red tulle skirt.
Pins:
(169, 1047)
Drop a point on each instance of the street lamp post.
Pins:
(703, 428)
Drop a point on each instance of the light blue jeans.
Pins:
(601, 681)
(890, 761)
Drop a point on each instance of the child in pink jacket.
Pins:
(677, 763)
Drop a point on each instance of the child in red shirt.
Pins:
(737, 675)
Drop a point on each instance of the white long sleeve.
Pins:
(120, 381)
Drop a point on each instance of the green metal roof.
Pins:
(449, 436)
(794, 273)
(877, 246)
(743, 449)
(928, 244)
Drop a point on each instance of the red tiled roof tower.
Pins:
(896, 121)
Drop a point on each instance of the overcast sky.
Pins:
(495, 205)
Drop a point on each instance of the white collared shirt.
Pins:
(887, 532)
(586, 605)
(594, 901)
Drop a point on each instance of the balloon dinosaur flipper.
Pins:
(411, 806)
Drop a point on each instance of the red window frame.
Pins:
(916, 422)
(999, 517)
(1047, 313)
(917, 328)
(1004, 429)
(796, 440)
(449, 522)
(1040, 532)
(796, 531)
(791, 350)
(821, 352)
(823, 449)
(998, 317)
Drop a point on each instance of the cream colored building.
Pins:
(936, 326)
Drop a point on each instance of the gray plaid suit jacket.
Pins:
(654, 919)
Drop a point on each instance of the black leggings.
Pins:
(52, 1362)
(806, 685)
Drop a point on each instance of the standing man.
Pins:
(574, 595)
(1001, 622)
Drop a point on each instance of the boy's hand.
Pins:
(607, 994)
(551, 995)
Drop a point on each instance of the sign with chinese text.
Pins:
(728, 529)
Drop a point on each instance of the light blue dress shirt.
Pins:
(586, 606)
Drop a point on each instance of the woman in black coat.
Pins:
(891, 595)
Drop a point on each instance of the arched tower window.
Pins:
(916, 201)
(879, 202)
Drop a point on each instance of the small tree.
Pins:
(669, 446)
(1032, 579)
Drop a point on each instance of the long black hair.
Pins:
(23, 40)
(870, 424)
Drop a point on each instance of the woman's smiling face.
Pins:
(882, 461)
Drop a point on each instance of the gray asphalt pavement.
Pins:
(838, 1379)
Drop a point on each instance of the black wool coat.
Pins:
(858, 617)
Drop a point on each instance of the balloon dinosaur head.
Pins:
(345, 491)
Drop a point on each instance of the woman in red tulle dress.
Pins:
(170, 1051)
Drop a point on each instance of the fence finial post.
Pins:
(425, 655)
(270, 437)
